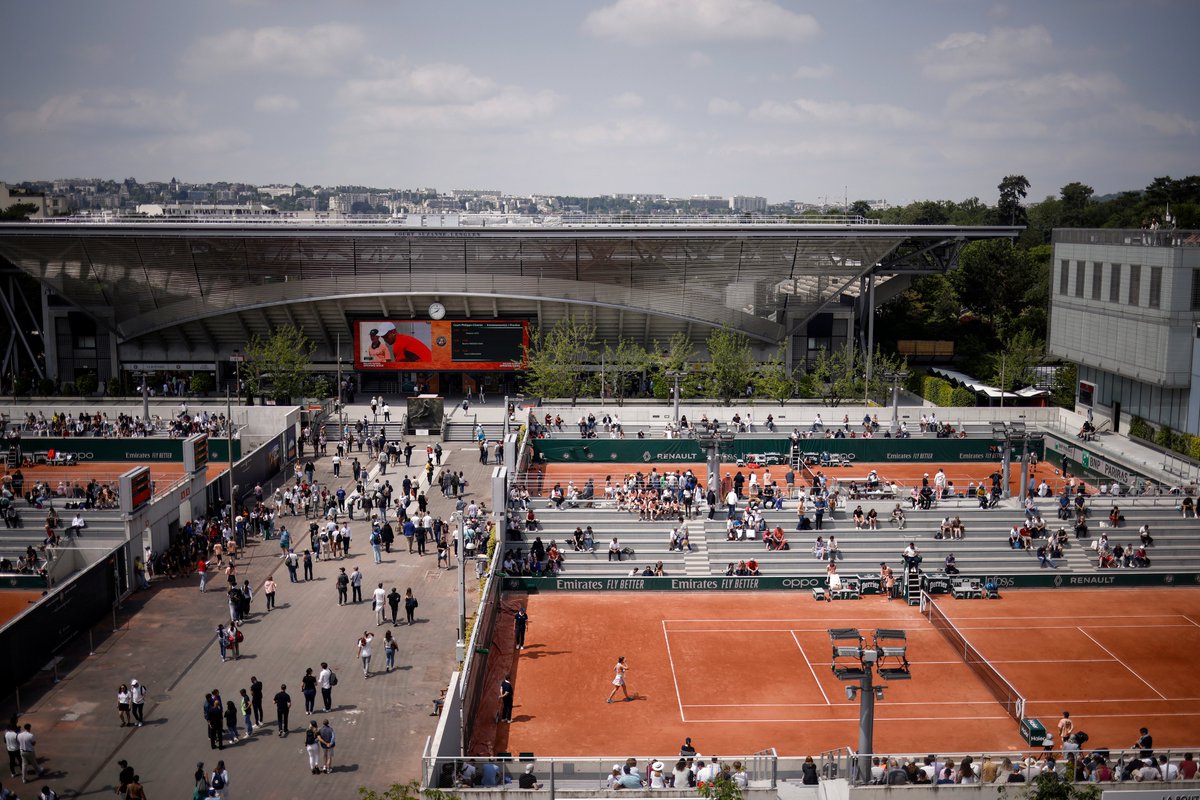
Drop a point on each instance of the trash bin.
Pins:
(1033, 732)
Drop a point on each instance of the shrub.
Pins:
(201, 382)
(1165, 437)
(1141, 429)
(45, 386)
(962, 396)
(86, 383)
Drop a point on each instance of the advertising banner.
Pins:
(440, 344)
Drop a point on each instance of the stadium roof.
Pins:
(204, 286)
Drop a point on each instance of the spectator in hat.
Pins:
(528, 779)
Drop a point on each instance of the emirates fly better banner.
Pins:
(440, 344)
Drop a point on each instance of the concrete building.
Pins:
(747, 205)
(1125, 307)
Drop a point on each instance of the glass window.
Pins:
(1114, 284)
(1155, 298)
(1064, 278)
(1135, 284)
(1097, 279)
(1079, 269)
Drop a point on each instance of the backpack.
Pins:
(238, 637)
(218, 782)
(332, 678)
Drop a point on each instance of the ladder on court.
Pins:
(912, 586)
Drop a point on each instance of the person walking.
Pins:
(220, 780)
(223, 642)
(283, 706)
(231, 721)
(269, 588)
(308, 564)
(618, 681)
(410, 605)
(520, 621)
(327, 741)
(377, 545)
(308, 688)
(506, 699)
(123, 705)
(389, 651)
(326, 680)
(312, 746)
(356, 579)
(393, 600)
(247, 713)
(137, 702)
(379, 603)
(293, 563)
(256, 698)
(200, 782)
(364, 652)
(343, 586)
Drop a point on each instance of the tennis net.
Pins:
(1012, 700)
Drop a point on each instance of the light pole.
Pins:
(145, 397)
(340, 400)
(895, 376)
(237, 358)
(676, 375)
(461, 646)
(229, 445)
(856, 663)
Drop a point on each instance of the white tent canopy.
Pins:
(978, 386)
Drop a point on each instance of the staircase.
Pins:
(465, 431)
(695, 561)
(912, 587)
(13, 460)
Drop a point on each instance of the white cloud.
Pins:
(1046, 94)
(439, 96)
(647, 22)
(641, 132)
(136, 110)
(1000, 52)
(296, 52)
(218, 141)
(814, 73)
(719, 106)
(276, 103)
(627, 101)
(880, 115)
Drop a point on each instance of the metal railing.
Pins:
(1143, 237)
(561, 773)
(455, 219)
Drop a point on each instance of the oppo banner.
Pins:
(440, 344)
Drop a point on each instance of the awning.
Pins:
(978, 386)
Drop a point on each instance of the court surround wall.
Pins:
(667, 451)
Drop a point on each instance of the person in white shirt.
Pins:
(379, 602)
(77, 524)
(364, 652)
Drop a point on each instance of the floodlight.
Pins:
(851, 691)
(869, 657)
(878, 693)
(846, 652)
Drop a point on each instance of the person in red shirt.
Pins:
(202, 568)
(1187, 767)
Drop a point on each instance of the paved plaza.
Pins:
(166, 641)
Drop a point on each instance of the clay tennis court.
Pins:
(742, 671)
(15, 601)
(163, 473)
(542, 477)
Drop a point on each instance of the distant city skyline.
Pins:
(784, 100)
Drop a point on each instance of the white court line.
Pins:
(922, 629)
(847, 703)
(674, 675)
(1123, 664)
(839, 721)
(1189, 619)
(810, 669)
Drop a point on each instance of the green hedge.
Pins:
(1182, 443)
(940, 392)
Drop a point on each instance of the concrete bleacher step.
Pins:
(696, 562)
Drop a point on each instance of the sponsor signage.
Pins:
(1089, 462)
(88, 448)
(807, 582)
(492, 344)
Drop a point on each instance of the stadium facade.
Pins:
(1125, 306)
(182, 296)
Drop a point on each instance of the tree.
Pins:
(1012, 191)
(775, 380)
(277, 366)
(1013, 368)
(675, 356)
(1075, 199)
(1066, 379)
(20, 212)
(623, 364)
(558, 360)
(731, 364)
(832, 376)
(405, 791)
(860, 208)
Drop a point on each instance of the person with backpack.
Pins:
(377, 544)
(220, 780)
(410, 605)
(326, 679)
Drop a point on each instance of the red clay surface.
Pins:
(110, 472)
(739, 672)
(543, 477)
(15, 601)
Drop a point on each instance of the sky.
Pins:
(881, 100)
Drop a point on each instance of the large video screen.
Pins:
(440, 344)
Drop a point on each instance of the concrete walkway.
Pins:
(166, 640)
